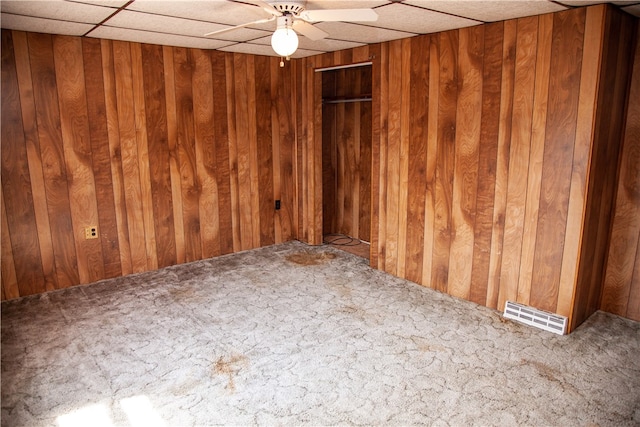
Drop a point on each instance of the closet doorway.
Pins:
(346, 157)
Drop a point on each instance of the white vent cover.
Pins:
(537, 318)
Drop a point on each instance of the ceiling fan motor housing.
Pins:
(293, 7)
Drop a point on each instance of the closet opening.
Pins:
(346, 157)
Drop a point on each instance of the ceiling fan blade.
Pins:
(308, 30)
(226, 30)
(266, 6)
(348, 15)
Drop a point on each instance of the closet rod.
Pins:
(342, 101)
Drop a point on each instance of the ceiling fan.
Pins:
(291, 16)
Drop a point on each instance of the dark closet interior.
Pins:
(346, 152)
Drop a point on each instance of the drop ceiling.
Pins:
(184, 23)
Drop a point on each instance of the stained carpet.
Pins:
(299, 335)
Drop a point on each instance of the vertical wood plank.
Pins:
(129, 152)
(403, 181)
(621, 292)
(447, 101)
(51, 150)
(101, 163)
(364, 163)
(74, 124)
(487, 161)
(523, 92)
(393, 156)
(252, 155)
(465, 180)
(502, 165)
(174, 153)
(564, 85)
(233, 151)
(205, 152)
(152, 68)
(417, 157)
(315, 128)
(18, 210)
(143, 156)
(8, 276)
(538, 127)
(432, 159)
(115, 155)
(244, 152)
(264, 151)
(376, 67)
(191, 187)
(221, 142)
(27, 104)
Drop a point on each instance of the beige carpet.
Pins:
(296, 335)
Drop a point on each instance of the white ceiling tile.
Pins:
(219, 11)
(181, 26)
(490, 11)
(109, 3)
(405, 17)
(340, 4)
(58, 9)
(42, 25)
(633, 10)
(106, 32)
(324, 45)
(360, 33)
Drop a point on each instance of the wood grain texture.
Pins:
(222, 150)
(487, 161)
(432, 158)
(467, 145)
(205, 153)
(621, 287)
(536, 155)
(502, 162)
(135, 139)
(566, 61)
(174, 157)
(505, 173)
(519, 155)
(393, 156)
(264, 172)
(115, 154)
(158, 155)
(27, 104)
(443, 188)
(101, 162)
(41, 58)
(191, 188)
(23, 254)
(346, 153)
(74, 121)
(142, 145)
(503, 191)
(8, 267)
(417, 158)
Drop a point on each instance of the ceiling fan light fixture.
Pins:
(284, 40)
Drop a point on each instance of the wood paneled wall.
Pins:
(621, 293)
(346, 152)
(174, 154)
(487, 157)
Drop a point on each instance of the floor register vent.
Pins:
(536, 318)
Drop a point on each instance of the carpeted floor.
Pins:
(299, 335)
